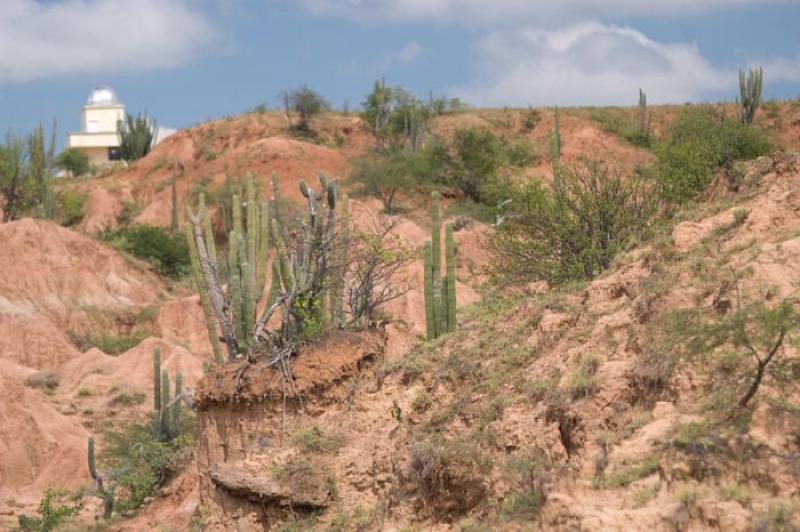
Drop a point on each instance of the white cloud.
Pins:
(596, 64)
(405, 55)
(514, 12)
(41, 40)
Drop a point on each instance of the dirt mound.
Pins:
(39, 447)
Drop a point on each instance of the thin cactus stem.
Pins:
(176, 408)
(209, 231)
(90, 459)
(164, 412)
(262, 258)
(174, 218)
(235, 285)
(156, 379)
(236, 209)
(450, 256)
(430, 326)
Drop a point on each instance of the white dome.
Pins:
(101, 96)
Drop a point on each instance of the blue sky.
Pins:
(186, 61)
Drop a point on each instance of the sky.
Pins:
(188, 61)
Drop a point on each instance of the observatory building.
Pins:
(98, 135)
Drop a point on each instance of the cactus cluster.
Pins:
(166, 416)
(304, 257)
(749, 94)
(439, 292)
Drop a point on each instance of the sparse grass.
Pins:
(84, 392)
(779, 517)
(735, 492)
(694, 434)
(422, 401)
(541, 388)
(110, 344)
(582, 383)
(627, 475)
(316, 439)
(645, 495)
(357, 520)
(526, 471)
(126, 399)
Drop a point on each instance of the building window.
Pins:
(114, 154)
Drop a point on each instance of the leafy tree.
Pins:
(700, 142)
(570, 230)
(137, 136)
(477, 156)
(385, 175)
(307, 103)
(73, 161)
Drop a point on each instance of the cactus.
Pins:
(450, 257)
(555, 147)
(165, 416)
(430, 325)
(301, 270)
(749, 94)
(174, 212)
(156, 382)
(199, 282)
(107, 494)
(440, 293)
(337, 310)
(644, 120)
(176, 408)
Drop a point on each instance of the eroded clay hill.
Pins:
(60, 292)
(569, 409)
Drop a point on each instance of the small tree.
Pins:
(384, 176)
(137, 136)
(25, 173)
(73, 161)
(307, 103)
(571, 231)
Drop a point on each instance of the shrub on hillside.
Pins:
(700, 142)
(73, 161)
(573, 229)
(70, 207)
(385, 175)
(136, 461)
(169, 254)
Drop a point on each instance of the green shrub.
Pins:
(73, 161)
(572, 230)
(384, 175)
(478, 155)
(140, 464)
(50, 517)
(700, 142)
(108, 343)
(315, 439)
(70, 207)
(168, 254)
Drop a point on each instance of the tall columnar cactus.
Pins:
(440, 295)
(644, 119)
(166, 414)
(555, 147)
(302, 268)
(337, 307)
(105, 492)
(749, 94)
(174, 211)
(430, 324)
(450, 256)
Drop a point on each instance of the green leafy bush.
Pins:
(700, 142)
(169, 254)
(570, 231)
(70, 207)
(50, 516)
(73, 161)
(140, 464)
(385, 175)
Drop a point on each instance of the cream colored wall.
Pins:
(97, 156)
(92, 140)
(101, 119)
